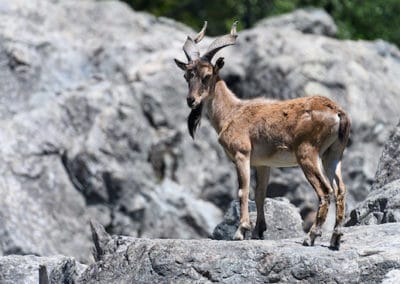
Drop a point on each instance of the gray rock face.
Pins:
(25, 269)
(382, 205)
(282, 218)
(389, 164)
(93, 126)
(369, 254)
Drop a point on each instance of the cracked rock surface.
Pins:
(369, 254)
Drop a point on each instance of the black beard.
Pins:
(194, 119)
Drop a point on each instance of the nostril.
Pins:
(190, 101)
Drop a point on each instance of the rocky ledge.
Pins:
(369, 254)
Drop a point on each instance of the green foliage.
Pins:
(362, 19)
(356, 19)
(220, 14)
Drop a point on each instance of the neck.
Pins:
(221, 106)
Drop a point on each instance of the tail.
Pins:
(344, 127)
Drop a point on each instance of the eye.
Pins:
(188, 75)
(206, 79)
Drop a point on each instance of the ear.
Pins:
(219, 64)
(180, 64)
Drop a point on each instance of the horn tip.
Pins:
(201, 34)
(203, 29)
(233, 30)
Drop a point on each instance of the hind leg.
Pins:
(340, 195)
(311, 164)
(261, 188)
(332, 164)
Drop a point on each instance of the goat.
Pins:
(311, 132)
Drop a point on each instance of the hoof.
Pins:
(312, 235)
(238, 235)
(335, 240)
(257, 236)
(241, 231)
(307, 242)
(334, 247)
(258, 232)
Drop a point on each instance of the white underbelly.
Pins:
(279, 159)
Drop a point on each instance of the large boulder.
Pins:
(382, 205)
(389, 163)
(282, 218)
(30, 269)
(309, 21)
(369, 254)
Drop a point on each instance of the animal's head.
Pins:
(200, 73)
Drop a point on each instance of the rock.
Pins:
(100, 239)
(25, 269)
(173, 213)
(382, 205)
(38, 221)
(282, 218)
(86, 133)
(389, 163)
(368, 254)
(310, 21)
(392, 277)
